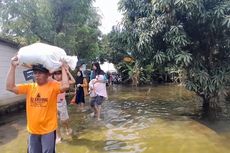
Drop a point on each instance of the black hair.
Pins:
(40, 68)
(98, 70)
(79, 79)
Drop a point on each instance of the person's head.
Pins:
(79, 78)
(97, 69)
(41, 74)
(57, 75)
(96, 66)
(79, 73)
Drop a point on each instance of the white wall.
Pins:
(6, 53)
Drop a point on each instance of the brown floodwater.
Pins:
(156, 119)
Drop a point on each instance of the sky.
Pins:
(108, 9)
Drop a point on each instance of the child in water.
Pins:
(63, 115)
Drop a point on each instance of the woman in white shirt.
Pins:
(98, 92)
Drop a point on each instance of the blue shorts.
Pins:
(95, 101)
(44, 143)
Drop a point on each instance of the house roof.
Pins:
(9, 43)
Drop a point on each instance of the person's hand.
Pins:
(14, 61)
(66, 68)
(78, 85)
(64, 63)
(95, 81)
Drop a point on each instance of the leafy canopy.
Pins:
(70, 24)
(192, 34)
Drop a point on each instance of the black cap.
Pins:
(40, 67)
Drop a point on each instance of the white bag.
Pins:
(92, 92)
(47, 55)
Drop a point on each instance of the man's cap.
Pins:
(40, 67)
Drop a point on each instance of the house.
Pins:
(7, 50)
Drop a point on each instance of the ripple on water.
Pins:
(134, 123)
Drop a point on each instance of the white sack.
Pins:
(47, 55)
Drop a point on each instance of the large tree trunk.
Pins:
(205, 108)
(211, 108)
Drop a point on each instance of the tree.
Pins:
(114, 46)
(70, 24)
(193, 34)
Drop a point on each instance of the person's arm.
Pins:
(65, 80)
(100, 80)
(91, 77)
(85, 83)
(10, 79)
(71, 78)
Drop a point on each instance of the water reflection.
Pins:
(135, 120)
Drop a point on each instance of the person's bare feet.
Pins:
(58, 140)
(69, 131)
(93, 115)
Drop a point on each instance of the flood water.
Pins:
(157, 119)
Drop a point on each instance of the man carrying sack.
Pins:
(41, 105)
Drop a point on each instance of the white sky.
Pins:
(110, 14)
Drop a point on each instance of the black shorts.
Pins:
(95, 101)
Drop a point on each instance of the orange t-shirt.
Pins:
(41, 106)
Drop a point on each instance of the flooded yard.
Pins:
(156, 119)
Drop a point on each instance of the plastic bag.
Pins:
(47, 55)
(92, 92)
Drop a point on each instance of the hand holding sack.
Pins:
(49, 56)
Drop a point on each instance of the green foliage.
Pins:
(159, 58)
(146, 74)
(114, 46)
(131, 69)
(70, 24)
(192, 34)
(128, 70)
(185, 58)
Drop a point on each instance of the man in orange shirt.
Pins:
(41, 105)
